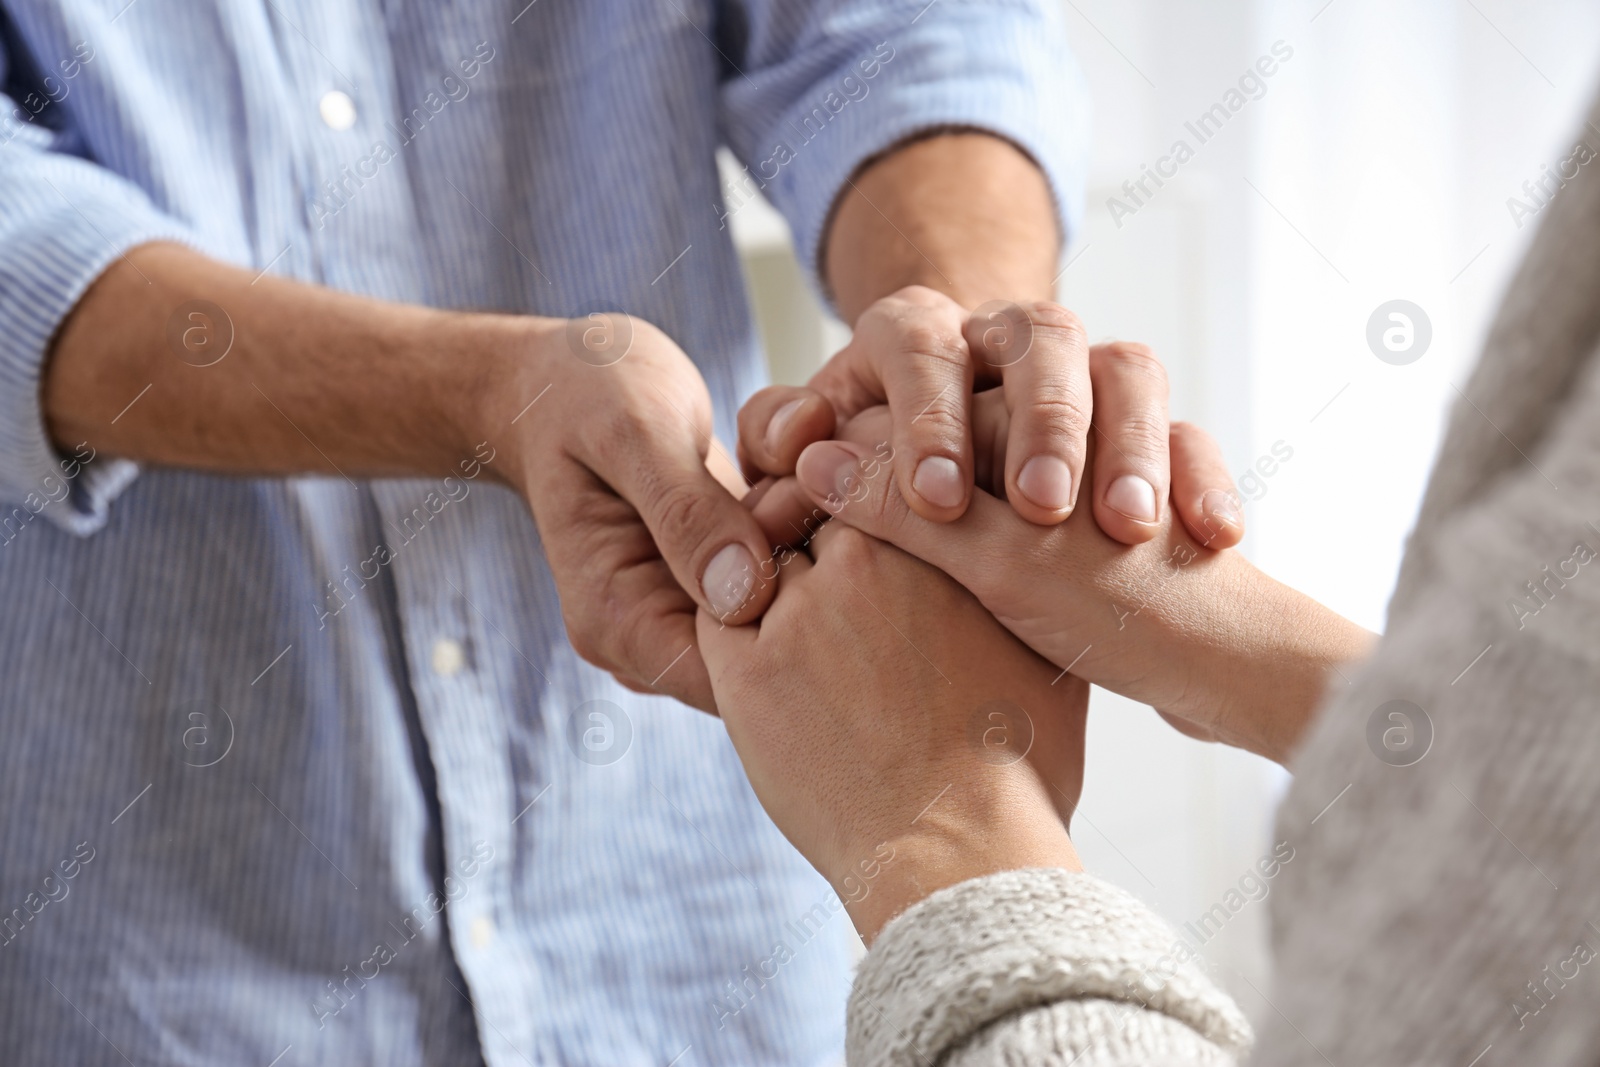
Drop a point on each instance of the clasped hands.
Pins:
(904, 708)
(961, 594)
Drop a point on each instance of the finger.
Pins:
(848, 473)
(1202, 490)
(688, 682)
(786, 514)
(839, 477)
(990, 429)
(724, 647)
(777, 423)
(722, 468)
(1131, 472)
(711, 542)
(652, 648)
(990, 424)
(665, 642)
(1041, 354)
(789, 517)
(909, 351)
(601, 554)
(1189, 729)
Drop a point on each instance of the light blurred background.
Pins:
(1377, 164)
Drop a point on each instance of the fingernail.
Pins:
(1222, 507)
(780, 419)
(1047, 481)
(1134, 497)
(828, 471)
(729, 579)
(938, 481)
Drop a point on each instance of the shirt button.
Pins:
(481, 931)
(338, 110)
(448, 657)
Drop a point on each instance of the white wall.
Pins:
(1376, 165)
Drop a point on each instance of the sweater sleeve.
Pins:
(1044, 967)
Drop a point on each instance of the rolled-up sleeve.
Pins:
(814, 90)
(63, 221)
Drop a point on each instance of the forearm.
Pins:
(1276, 686)
(312, 380)
(1212, 640)
(965, 213)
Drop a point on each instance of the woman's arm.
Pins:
(1222, 650)
(924, 761)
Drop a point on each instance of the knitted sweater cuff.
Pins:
(1037, 956)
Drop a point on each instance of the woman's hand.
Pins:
(900, 738)
(1223, 651)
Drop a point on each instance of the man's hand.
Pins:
(942, 254)
(613, 461)
(898, 736)
(922, 354)
(615, 471)
(1040, 447)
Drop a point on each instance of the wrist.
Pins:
(961, 211)
(967, 833)
(509, 365)
(1258, 683)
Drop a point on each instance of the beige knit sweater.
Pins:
(1443, 913)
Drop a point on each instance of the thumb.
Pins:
(710, 541)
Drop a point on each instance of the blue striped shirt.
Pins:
(304, 770)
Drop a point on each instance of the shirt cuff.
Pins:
(1004, 69)
(66, 231)
(976, 953)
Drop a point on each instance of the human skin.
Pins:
(864, 707)
(637, 532)
(963, 226)
(853, 701)
(1223, 651)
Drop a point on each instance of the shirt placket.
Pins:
(360, 235)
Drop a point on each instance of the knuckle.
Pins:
(1047, 314)
(621, 432)
(852, 552)
(1064, 415)
(585, 642)
(634, 645)
(1187, 435)
(879, 503)
(941, 420)
(1134, 358)
(920, 296)
(938, 342)
(1141, 433)
(684, 516)
(594, 618)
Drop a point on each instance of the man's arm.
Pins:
(942, 253)
(298, 378)
(305, 379)
(961, 212)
